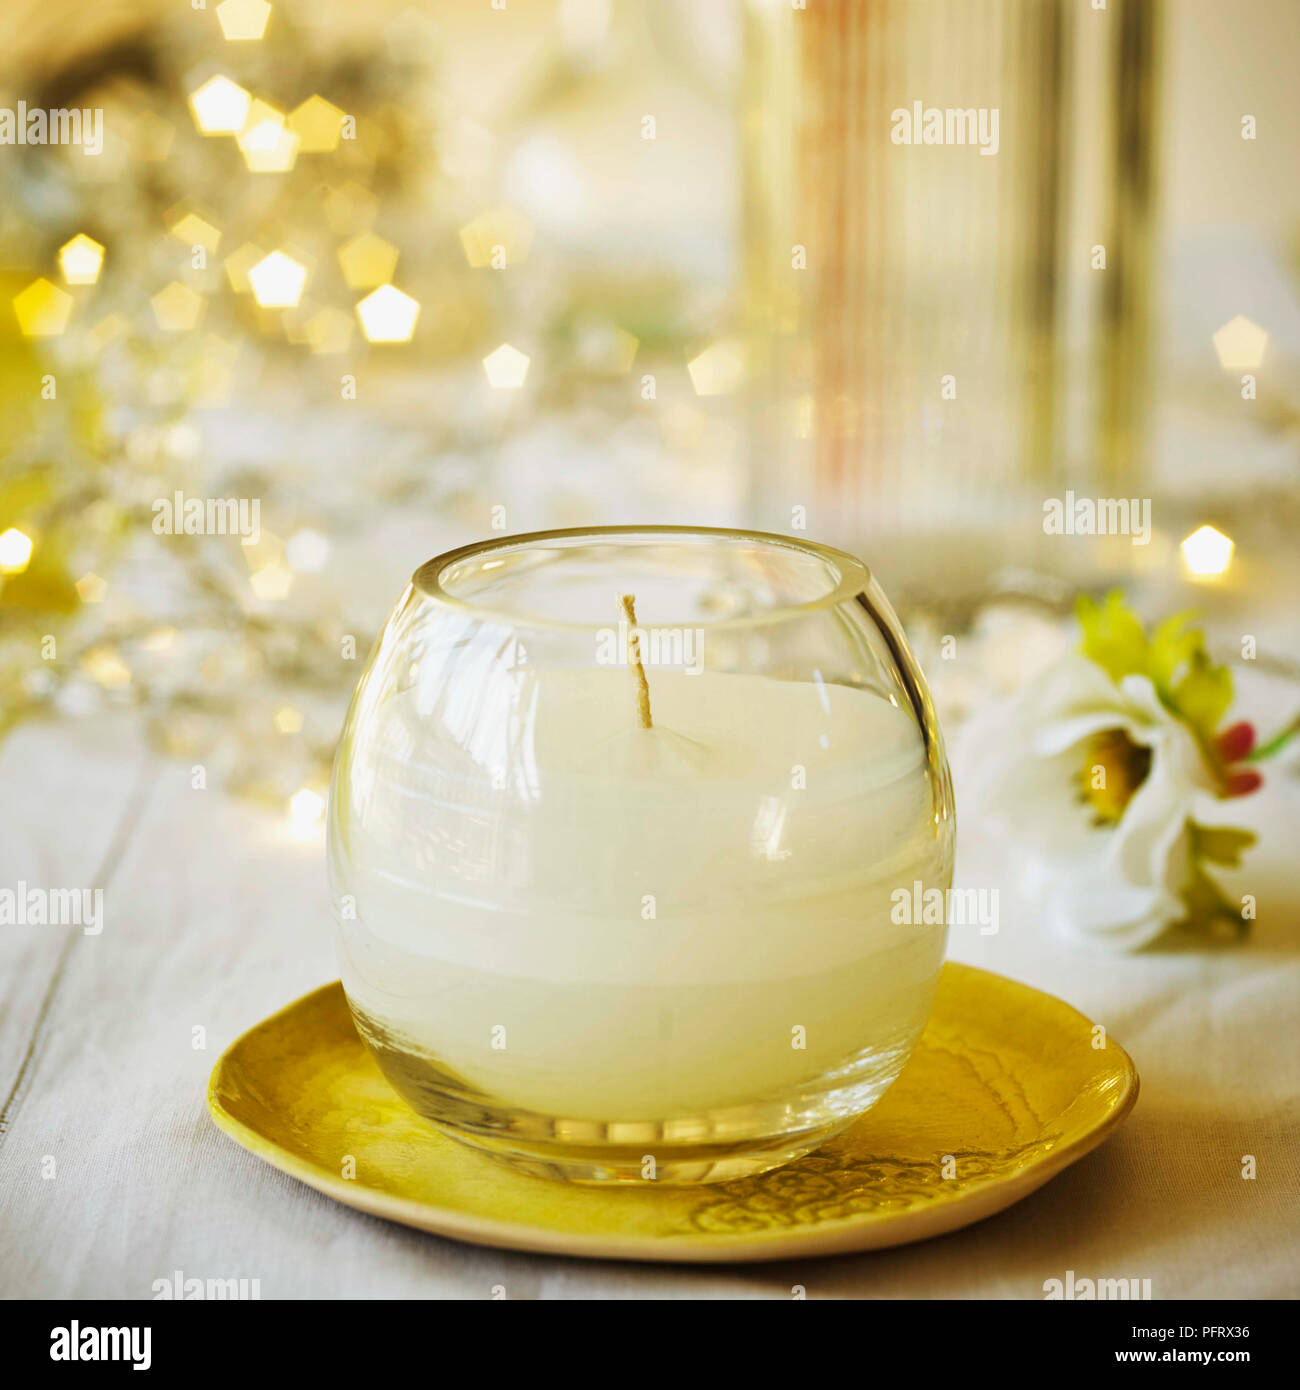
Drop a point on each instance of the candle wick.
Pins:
(628, 602)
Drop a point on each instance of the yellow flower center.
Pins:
(1114, 768)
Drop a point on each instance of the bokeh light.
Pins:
(1207, 552)
(367, 260)
(177, 308)
(243, 21)
(719, 369)
(318, 124)
(81, 260)
(15, 551)
(220, 106)
(1240, 345)
(388, 315)
(277, 281)
(506, 368)
(42, 309)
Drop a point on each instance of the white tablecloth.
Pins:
(112, 1175)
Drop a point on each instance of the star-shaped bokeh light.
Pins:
(243, 21)
(277, 281)
(220, 106)
(388, 315)
(329, 330)
(367, 260)
(91, 588)
(318, 124)
(42, 309)
(187, 226)
(266, 142)
(1207, 552)
(499, 237)
(15, 551)
(1240, 345)
(719, 369)
(177, 307)
(506, 368)
(81, 260)
(239, 263)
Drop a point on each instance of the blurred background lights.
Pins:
(272, 582)
(498, 238)
(277, 281)
(243, 20)
(109, 328)
(220, 106)
(305, 810)
(151, 137)
(288, 720)
(261, 128)
(351, 207)
(584, 27)
(367, 260)
(388, 315)
(605, 347)
(719, 369)
(307, 551)
(1207, 552)
(177, 307)
(15, 551)
(91, 588)
(329, 330)
(277, 157)
(239, 263)
(42, 309)
(105, 667)
(318, 124)
(1240, 345)
(266, 142)
(194, 230)
(506, 368)
(81, 260)
(545, 179)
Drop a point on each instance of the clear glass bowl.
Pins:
(609, 952)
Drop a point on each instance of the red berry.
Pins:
(1236, 741)
(1243, 783)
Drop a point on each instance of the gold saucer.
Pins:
(1004, 1090)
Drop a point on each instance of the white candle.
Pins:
(611, 923)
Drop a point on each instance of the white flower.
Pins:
(1093, 784)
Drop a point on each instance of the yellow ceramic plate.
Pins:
(1005, 1080)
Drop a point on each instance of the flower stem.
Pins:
(1276, 743)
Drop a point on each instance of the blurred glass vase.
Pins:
(617, 902)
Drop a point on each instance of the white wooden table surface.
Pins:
(112, 1176)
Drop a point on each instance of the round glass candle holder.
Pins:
(635, 903)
